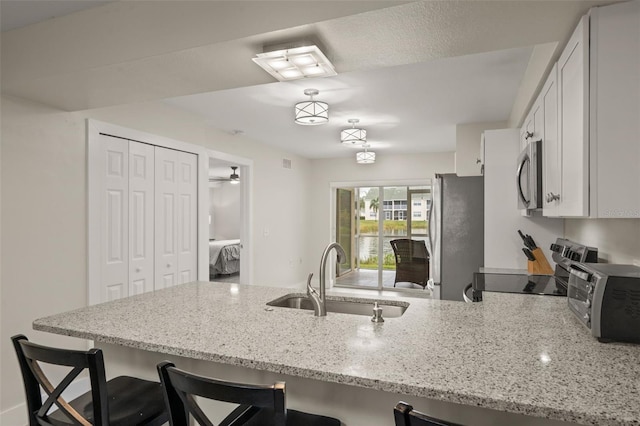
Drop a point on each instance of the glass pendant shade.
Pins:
(365, 157)
(353, 136)
(311, 113)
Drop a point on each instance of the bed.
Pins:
(224, 257)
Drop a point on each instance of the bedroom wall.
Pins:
(225, 211)
(43, 187)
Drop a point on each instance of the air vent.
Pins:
(286, 163)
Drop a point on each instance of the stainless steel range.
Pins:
(565, 252)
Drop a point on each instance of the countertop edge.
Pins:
(424, 392)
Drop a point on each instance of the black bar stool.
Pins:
(260, 405)
(405, 415)
(122, 401)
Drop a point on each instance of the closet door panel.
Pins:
(115, 218)
(166, 204)
(141, 217)
(187, 217)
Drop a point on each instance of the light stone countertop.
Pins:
(517, 353)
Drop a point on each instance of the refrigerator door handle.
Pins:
(434, 231)
(430, 234)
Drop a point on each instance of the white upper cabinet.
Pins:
(615, 111)
(573, 107)
(591, 119)
(551, 164)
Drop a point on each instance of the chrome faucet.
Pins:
(319, 300)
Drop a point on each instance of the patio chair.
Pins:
(412, 261)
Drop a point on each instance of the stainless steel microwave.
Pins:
(529, 176)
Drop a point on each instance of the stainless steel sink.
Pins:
(334, 304)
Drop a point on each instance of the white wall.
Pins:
(44, 218)
(617, 240)
(225, 211)
(502, 219)
(388, 168)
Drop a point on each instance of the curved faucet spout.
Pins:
(342, 256)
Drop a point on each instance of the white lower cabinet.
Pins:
(591, 160)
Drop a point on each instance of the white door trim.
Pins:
(246, 198)
(94, 129)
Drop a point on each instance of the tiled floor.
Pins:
(369, 278)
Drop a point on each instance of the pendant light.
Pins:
(353, 135)
(365, 157)
(312, 113)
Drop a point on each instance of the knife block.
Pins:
(540, 266)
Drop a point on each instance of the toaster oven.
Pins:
(606, 299)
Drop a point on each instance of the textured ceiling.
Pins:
(391, 57)
(405, 109)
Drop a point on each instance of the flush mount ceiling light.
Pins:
(311, 113)
(353, 135)
(234, 178)
(365, 157)
(294, 63)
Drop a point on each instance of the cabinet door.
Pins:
(552, 164)
(573, 103)
(615, 111)
(527, 130)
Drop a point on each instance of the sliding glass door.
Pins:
(380, 214)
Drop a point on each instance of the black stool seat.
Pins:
(294, 418)
(122, 401)
(260, 405)
(132, 401)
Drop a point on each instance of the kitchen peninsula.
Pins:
(512, 359)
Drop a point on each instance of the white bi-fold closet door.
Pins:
(148, 221)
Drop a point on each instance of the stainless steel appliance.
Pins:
(565, 253)
(529, 176)
(456, 232)
(606, 299)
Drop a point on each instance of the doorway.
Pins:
(367, 219)
(229, 223)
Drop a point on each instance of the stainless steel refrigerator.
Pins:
(456, 232)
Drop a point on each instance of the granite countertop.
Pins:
(517, 353)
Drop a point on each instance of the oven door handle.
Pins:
(519, 179)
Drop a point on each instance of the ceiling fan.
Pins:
(233, 177)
